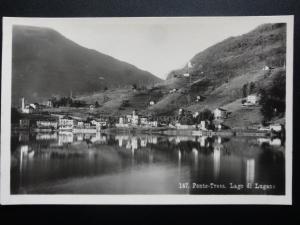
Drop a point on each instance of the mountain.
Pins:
(265, 45)
(220, 72)
(45, 63)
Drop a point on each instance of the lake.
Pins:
(67, 163)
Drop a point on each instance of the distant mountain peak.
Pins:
(46, 63)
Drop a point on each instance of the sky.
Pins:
(158, 45)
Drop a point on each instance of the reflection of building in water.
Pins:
(179, 158)
(134, 143)
(272, 142)
(46, 136)
(152, 139)
(128, 145)
(65, 138)
(217, 161)
(179, 139)
(25, 155)
(23, 152)
(79, 137)
(23, 137)
(143, 142)
(250, 170)
(195, 155)
(202, 140)
(121, 138)
(99, 138)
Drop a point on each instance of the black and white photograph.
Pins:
(157, 110)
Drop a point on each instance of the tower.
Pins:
(22, 104)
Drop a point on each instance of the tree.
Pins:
(97, 105)
(15, 115)
(245, 90)
(206, 114)
(273, 99)
(134, 86)
(251, 88)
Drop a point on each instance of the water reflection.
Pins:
(143, 164)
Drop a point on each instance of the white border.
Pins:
(8, 199)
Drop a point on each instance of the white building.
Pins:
(151, 102)
(49, 103)
(252, 99)
(173, 90)
(183, 126)
(65, 123)
(144, 121)
(267, 68)
(27, 108)
(203, 125)
(195, 114)
(276, 127)
(220, 113)
(46, 123)
(153, 123)
(135, 118)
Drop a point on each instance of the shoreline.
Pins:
(159, 131)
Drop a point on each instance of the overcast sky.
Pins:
(157, 45)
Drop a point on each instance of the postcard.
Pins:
(149, 110)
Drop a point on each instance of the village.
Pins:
(201, 123)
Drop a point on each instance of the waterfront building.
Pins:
(203, 125)
(46, 124)
(276, 127)
(66, 123)
(24, 123)
(135, 118)
(184, 126)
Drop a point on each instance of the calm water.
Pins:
(64, 163)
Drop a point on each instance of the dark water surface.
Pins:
(65, 163)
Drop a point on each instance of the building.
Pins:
(123, 122)
(173, 90)
(24, 123)
(180, 111)
(195, 114)
(268, 68)
(28, 108)
(203, 125)
(135, 118)
(220, 113)
(144, 121)
(184, 126)
(66, 123)
(151, 102)
(49, 103)
(251, 100)
(99, 124)
(153, 123)
(276, 127)
(92, 107)
(46, 124)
